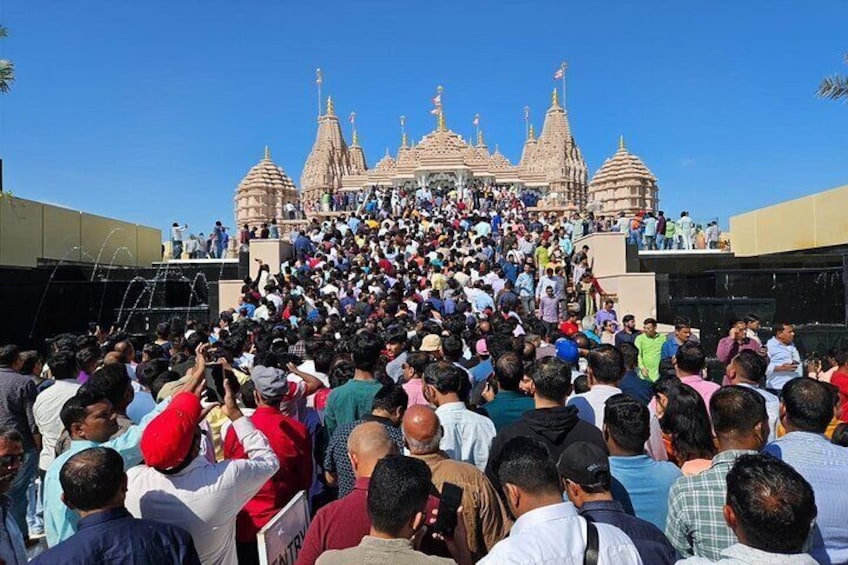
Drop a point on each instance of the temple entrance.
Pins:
(442, 183)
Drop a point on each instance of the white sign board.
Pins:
(282, 537)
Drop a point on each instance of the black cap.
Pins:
(584, 463)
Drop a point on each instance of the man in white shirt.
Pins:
(49, 402)
(546, 529)
(179, 486)
(467, 435)
(606, 367)
(748, 369)
(784, 359)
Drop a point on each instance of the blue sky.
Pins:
(153, 111)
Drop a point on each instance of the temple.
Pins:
(551, 166)
(623, 184)
(263, 193)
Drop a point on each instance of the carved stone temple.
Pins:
(551, 165)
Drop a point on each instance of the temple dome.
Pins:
(263, 192)
(624, 184)
(387, 163)
(441, 145)
(497, 162)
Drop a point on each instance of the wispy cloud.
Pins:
(687, 162)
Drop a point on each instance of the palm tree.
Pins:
(7, 69)
(835, 87)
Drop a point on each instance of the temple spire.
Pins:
(555, 98)
(267, 153)
(331, 109)
(532, 134)
(480, 142)
(621, 143)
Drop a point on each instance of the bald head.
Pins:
(368, 443)
(422, 430)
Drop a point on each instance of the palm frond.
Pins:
(833, 88)
(7, 75)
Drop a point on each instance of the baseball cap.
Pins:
(431, 343)
(167, 439)
(270, 382)
(566, 350)
(584, 463)
(481, 347)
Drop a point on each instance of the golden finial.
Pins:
(331, 109)
(532, 133)
(621, 143)
(442, 126)
(355, 138)
(403, 140)
(267, 153)
(480, 142)
(555, 98)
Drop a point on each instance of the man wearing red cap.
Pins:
(91, 421)
(291, 443)
(180, 486)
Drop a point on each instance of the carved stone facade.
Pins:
(329, 161)
(263, 193)
(624, 184)
(553, 163)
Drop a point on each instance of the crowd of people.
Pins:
(199, 246)
(645, 229)
(410, 364)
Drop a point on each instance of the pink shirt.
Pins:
(703, 387)
(413, 390)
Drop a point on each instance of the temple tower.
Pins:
(263, 193)
(624, 184)
(329, 160)
(558, 157)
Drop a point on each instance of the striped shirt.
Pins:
(695, 524)
(825, 466)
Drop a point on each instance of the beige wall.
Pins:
(272, 252)
(636, 294)
(818, 220)
(228, 294)
(30, 231)
(607, 252)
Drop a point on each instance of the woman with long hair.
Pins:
(685, 423)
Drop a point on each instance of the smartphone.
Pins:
(449, 503)
(215, 375)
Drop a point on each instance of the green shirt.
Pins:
(348, 403)
(507, 407)
(650, 351)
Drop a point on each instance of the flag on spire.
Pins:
(437, 100)
(476, 121)
(559, 74)
(352, 118)
(436, 111)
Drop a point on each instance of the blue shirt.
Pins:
(481, 370)
(780, 354)
(653, 546)
(60, 522)
(669, 348)
(825, 466)
(636, 387)
(114, 536)
(644, 484)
